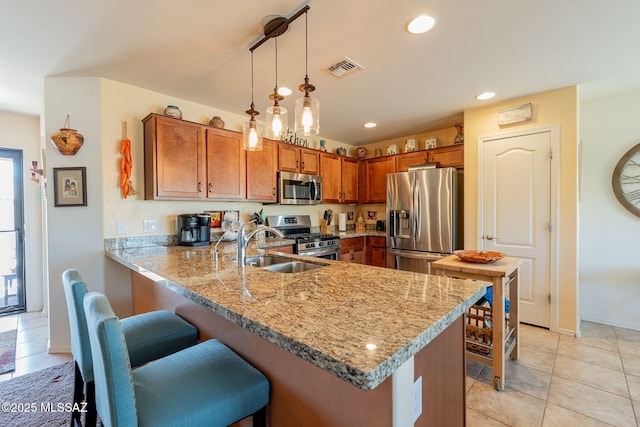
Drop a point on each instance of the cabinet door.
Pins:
(174, 163)
(449, 156)
(404, 161)
(226, 165)
(288, 158)
(309, 161)
(375, 183)
(330, 173)
(261, 172)
(375, 251)
(349, 180)
(376, 256)
(356, 257)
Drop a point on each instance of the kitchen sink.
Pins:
(293, 267)
(281, 264)
(266, 260)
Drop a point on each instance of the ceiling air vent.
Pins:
(344, 67)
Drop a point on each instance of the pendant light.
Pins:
(277, 119)
(252, 130)
(307, 108)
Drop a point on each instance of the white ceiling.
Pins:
(199, 50)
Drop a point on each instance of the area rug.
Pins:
(41, 398)
(7, 351)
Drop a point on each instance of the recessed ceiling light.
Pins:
(421, 24)
(284, 91)
(369, 125)
(485, 95)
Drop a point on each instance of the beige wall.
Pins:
(549, 108)
(609, 273)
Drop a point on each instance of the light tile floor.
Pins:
(559, 380)
(31, 343)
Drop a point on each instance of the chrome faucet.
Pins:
(244, 240)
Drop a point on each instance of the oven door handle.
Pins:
(320, 252)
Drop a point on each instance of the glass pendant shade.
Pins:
(252, 135)
(277, 122)
(307, 115)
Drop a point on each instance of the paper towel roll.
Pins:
(342, 221)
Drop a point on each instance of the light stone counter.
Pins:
(360, 323)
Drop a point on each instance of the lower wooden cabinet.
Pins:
(352, 250)
(376, 251)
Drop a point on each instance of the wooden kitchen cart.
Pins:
(502, 274)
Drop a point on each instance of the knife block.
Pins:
(324, 226)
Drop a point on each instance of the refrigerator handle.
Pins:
(417, 211)
(392, 223)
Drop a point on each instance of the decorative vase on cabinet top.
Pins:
(173, 111)
(217, 122)
(67, 141)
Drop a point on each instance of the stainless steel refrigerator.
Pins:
(424, 220)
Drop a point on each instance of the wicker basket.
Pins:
(478, 333)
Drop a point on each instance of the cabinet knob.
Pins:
(210, 188)
(302, 167)
(200, 187)
(297, 163)
(274, 191)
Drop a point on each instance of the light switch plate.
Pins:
(417, 399)
(150, 225)
(121, 227)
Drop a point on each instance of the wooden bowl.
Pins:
(478, 257)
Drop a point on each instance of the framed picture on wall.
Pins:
(216, 218)
(70, 187)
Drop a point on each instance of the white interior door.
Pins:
(515, 190)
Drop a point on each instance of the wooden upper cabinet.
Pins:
(174, 159)
(226, 165)
(292, 158)
(374, 179)
(349, 173)
(330, 173)
(450, 156)
(405, 161)
(262, 169)
(339, 178)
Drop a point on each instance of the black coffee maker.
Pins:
(194, 229)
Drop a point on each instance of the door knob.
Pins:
(490, 237)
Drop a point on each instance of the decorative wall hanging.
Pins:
(626, 180)
(126, 164)
(68, 141)
(70, 186)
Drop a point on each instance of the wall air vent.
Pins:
(344, 67)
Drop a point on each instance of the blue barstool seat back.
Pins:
(148, 336)
(207, 384)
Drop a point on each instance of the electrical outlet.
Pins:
(150, 225)
(121, 227)
(417, 399)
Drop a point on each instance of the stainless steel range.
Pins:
(298, 227)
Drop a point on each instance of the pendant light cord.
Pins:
(276, 40)
(306, 44)
(251, 79)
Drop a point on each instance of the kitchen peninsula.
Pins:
(341, 345)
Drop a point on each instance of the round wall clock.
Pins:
(626, 180)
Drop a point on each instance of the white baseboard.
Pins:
(608, 322)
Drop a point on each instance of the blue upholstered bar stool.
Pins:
(148, 336)
(204, 385)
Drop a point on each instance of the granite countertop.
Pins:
(358, 322)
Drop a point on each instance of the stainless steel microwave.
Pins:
(299, 189)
